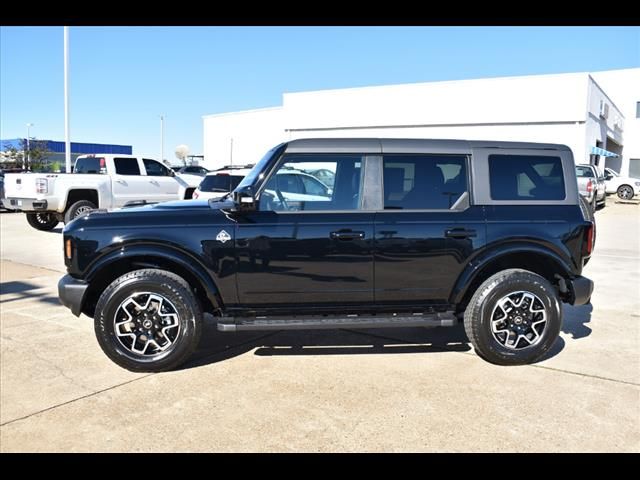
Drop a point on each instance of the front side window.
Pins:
(155, 169)
(526, 177)
(423, 181)
(127, 166)
(292, 188)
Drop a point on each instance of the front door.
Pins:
(308, 247)
(427, 230)
(163, 185)
(128, 183)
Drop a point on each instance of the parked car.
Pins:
(220, 182)
(191, 169)
(591, 185)
(625, 187)
(98, 181)
(414, 233)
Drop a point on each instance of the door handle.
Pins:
(121, 182)
(459, 233)
(346, 235)
(154, 182)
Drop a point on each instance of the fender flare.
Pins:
(185, 260)
(494, 253)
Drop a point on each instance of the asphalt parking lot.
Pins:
(319, 391)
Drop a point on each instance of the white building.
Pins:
(575, 109)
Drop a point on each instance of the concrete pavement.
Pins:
(375, 390)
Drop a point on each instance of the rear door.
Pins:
(164, 186)
(128, 183)
(427, 229)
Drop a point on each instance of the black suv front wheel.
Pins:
(514, 318)
(148, 321)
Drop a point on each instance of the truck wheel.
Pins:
(43, 221)
(514, 318)
(148, 321)
(78, 209)
(625, 192)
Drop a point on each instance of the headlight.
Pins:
(42, 185)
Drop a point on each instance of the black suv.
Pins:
(410, 233)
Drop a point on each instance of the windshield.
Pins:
(257, 173)
(220, 183)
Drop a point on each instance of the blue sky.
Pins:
(123, 78)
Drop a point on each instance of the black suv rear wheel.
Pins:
(514, 318)
(148, 321)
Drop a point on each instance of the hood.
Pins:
(177, 214)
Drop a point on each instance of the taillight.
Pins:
(588, 242)
(589, 186)
(42, 185)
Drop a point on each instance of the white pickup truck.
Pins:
(98, 181)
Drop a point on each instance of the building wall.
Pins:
(624, 87)
(561, 109)
(241, 138)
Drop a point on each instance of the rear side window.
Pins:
(526, 177)
(126, 166)
(90, 165)
(584, 172)
(423, 181)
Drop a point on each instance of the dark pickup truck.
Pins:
(409, 233)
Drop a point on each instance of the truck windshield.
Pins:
(254, 176)
(90, 165)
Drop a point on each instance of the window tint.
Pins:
(127, 166)
(423, 181)
(155, 169)
(526, 177)
(291, 188)
(313, 186)
(584, 172)
(90, 165)
(220, 183)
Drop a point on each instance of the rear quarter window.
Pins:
(526, 177)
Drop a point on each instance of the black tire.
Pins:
(477, 317)
(78, 209)
(159, 282)
(43, 221)
(625, 192)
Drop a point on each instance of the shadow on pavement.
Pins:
(25, 291)
(216, 346)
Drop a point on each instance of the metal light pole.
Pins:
(29, 125)
(67, 141)
(162, 138)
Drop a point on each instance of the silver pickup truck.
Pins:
(591, 185)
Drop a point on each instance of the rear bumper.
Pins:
(27, 204)
(581, 289)
(71, 292)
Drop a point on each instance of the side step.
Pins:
(443, 319)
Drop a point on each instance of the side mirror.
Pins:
(608, 176)
(244, 199)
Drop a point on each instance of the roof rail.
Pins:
(234, 167)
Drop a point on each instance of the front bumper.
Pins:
(27, 204)
(71, 292)
(581, 289)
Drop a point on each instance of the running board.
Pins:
(443, 319)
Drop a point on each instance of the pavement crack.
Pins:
(53, 407)
(544, 367)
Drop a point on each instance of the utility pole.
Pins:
(28, 164)
(67, 141)
(231, 152)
